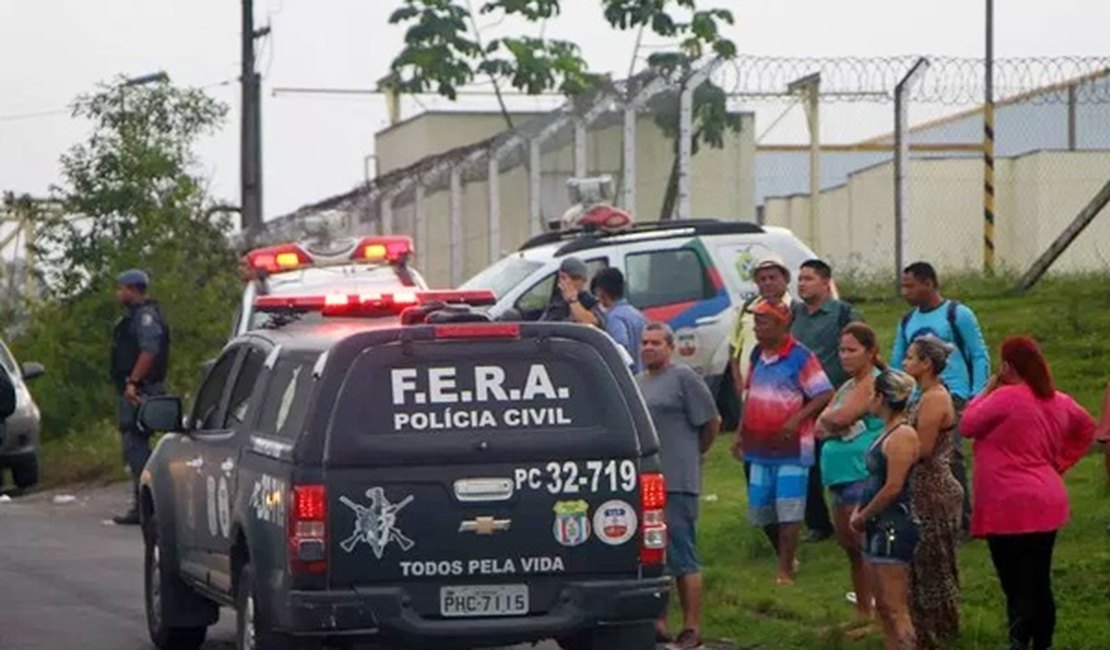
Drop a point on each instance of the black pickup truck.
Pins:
(428, 480)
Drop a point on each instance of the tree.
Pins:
(131, 197)
(445, 50)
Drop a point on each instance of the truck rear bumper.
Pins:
(387, 613)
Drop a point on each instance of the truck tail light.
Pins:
(653, 519)
(308, 530)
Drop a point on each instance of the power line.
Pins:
(68, 110)
(37, 114)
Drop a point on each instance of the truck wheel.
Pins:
(163, 589)
(640, 636)
(25, 470)
(253, 631)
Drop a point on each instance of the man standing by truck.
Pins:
(139, 359)
(685, 416)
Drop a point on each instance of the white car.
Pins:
(19, 433)
(694, 275)
(362, 267)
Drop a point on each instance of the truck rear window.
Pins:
(504, 387)
(285, 406)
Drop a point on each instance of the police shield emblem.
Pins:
(572, 522)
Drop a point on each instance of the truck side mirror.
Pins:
(160, 414)
(32, 370)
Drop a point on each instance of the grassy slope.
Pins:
(1071, 320)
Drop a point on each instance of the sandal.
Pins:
(688, 640)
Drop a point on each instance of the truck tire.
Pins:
(639, 636)
(25, 470)
(252, 629)
(164, 591)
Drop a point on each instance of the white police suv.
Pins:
(694, 275)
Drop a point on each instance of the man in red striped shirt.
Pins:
(786, 390)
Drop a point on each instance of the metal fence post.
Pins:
(420, 226)
(386, 225)
(686, 135)
(685, 147)
(457, 247)
(901, 160)
(580, 151)
(535, 186)
(628, 200)
(810, 87)
(493, 207)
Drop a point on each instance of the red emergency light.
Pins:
(276, 259)
(392, 249)
(341, 304)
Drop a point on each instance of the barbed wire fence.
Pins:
(1050, 158)
(824, 128)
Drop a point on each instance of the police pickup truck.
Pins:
(426, 479)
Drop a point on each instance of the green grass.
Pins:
(1071, 319)
(93, 456)
(744, 605)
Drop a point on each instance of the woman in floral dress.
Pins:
(937, 498)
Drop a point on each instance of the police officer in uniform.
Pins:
(140, 356)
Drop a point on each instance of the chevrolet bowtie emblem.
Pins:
(484, 525)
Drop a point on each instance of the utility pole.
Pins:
(250, 135)
(988, 146)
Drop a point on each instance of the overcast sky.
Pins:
(53, 50)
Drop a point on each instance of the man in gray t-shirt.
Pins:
(686, 419)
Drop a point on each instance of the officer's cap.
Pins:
(134, 278)
(575, 268)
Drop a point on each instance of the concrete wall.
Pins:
(433, 133)
(1037, 195)
(723, 186)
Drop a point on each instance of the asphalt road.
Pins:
(68, 579)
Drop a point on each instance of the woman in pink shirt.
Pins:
(1027, 434)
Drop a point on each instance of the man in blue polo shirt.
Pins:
(624, 322)
(968, 369)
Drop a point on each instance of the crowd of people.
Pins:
(822, 412)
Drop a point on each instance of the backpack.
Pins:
(957, 337)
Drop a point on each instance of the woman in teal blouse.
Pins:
(848, 429)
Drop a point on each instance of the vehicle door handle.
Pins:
(483, 489)
(196, 463)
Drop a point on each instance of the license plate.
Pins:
(491, 600)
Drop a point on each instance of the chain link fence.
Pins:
(1051, 156)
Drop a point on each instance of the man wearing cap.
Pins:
(140, 356)
(772, 279)
(570, 301)
(786, 390)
